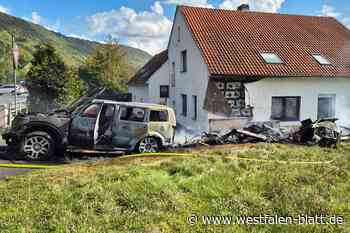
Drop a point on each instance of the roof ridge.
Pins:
(255, 12)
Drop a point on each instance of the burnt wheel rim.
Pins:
(148, 145)
(36, 147)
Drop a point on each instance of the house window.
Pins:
(164, 91)
(320, 59)
(184, 61)
(285, 108)
(178, 34)
(184, 104)
(326, 106)
(271, 58)
(195, 110)
(173, 83)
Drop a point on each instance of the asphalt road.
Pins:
(6, 172)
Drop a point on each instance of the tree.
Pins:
(106, 66)
(46, 80)
(76, 87)
(5, 63)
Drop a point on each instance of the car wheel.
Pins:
(37, 146)
(148, 145)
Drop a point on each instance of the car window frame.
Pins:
(157, 110)
(145, 117)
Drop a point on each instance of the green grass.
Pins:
(159, 194)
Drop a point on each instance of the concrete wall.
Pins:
(192, 82)
(261, 93)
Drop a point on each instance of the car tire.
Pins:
(148, 145)
(37, 146)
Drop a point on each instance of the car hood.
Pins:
(57, 119)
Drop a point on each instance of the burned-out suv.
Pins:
(98, 126)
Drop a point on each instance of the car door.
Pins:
(82, 130)
(159, 123)
(131, 125)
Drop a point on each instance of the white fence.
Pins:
(8, 112)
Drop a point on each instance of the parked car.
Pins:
(95, 125)
(10, 89)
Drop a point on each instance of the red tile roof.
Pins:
(144, 74)
(231, 42)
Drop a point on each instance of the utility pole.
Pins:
(15, 54)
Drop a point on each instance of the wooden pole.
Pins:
(14, 71)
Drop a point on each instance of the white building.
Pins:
(225, 68)
(146, 84)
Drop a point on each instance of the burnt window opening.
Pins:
(285, 108)
(184, 61)
(158, 116)
(184, 105)
(195, 107)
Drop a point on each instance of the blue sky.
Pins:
(146, 24)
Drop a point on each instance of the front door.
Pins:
(82, 131)
(131, 126)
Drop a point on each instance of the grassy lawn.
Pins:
(155, 194)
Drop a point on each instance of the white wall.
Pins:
(192, 82)
(150, 92)
(261, 93)
(139, 93)
(159, 78)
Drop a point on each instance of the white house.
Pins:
(145, 86)
(226, 67)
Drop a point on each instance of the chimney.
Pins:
(243, 7)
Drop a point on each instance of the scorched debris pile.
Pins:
(323, 132)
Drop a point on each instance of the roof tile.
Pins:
(230, 42)
(144, 74)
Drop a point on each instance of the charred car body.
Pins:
(94, 125)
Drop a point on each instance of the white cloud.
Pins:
(36, 18)
(4, 9)
(79, 37)
(199, 3)
(328, 10)
(157, 8)
(255, 5)
(346, 21)
(53, 26)
(147, 30)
